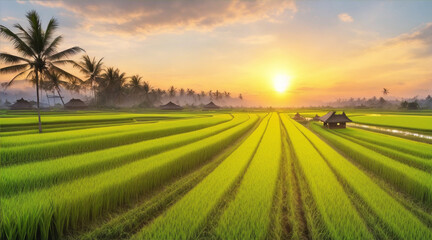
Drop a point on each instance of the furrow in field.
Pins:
(50, 212)
(398, 220)
(414, 161)
(185, 219)
(293, 214)
(130, 222)
(413, 181)
(415, 148)
(248, 215)
(43, 151)
(338, 214)
(24, 177)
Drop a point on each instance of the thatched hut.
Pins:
(316, 118)
(75, 103)
(21, 104)
(298, 117)
(211, 105)
(170, 106)
(333, 120)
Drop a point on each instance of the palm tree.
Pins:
(135, 84)
(55, 80)
(111, 84)
(172, 92)
(38, 50)
(92, 70)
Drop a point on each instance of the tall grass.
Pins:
(24, 177)
(48, 213)
(399, 121)
(396, 218)
(185, 219)
(337, 212)
(248, 216)
(42, 151)
(415, 182)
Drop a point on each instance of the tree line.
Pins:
(41, 62)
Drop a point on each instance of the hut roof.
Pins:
(21, 104)
(316, 117)
(297, 115)
(332, 117)
(75, 104)
(211, 105)
(170, 106)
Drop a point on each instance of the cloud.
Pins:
(345, 17)
(149, 17)
(6, 19)
(418, 42)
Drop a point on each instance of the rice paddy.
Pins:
(212, 175)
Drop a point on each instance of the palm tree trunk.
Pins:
(37, 101)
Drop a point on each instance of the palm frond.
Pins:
(14, 68)
(24, 33)
(18, 43)
(51, 27)
(9, 58)
(53, 46)
(17, 76)
(35, 31)
(63, 62)
(67, 75)
(66, 53)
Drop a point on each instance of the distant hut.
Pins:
(75, 104)
(170, 106)
(211, 105)
(298, 117)
(21, 104)
(316, 118)
(333, 120)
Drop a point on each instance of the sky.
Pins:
(328, 49)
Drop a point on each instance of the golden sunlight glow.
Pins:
(281, 82)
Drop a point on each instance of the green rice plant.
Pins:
(415, 182)
(126, 224)
(415, 148)
(248, 215)
(397, 219)
(18, 178)
(414, 122)
(401, 156)
(85, 118)
(29, 139)
(185, 219)
(336, 210)
(48, 213)
(42, 151)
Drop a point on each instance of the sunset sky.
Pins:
(329, 49)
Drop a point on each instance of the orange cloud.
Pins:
(147, 17)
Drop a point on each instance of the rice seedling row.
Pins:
(248, 215)
(50, 212)
(338, 214)
(124, 225)
(418, 149)
(415, 182)
(29, 139)
(402, 223)
(414, 161)
(42, 151)
(24, 177)
(185, 219)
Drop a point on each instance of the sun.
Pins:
(281, 82)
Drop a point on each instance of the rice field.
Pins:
(211, 175)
